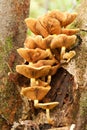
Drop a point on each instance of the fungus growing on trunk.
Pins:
(51, 23)
(45, 53)
(35, 93)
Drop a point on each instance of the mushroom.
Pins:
(30, 43)
(33, 55)
(47, 107)
(66, 56)
(64, 18)
(33, 72)
(31, 24)
(35, 93)
(50, 23)
(69, 31)
(38, 42)
(45, 63)
(63, 40)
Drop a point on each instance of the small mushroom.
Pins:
(68, 55)
(47, 107)
(33, 72)
(33, 55)
(35, 93)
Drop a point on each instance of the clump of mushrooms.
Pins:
(45, 52)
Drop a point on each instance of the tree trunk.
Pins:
(12, 36)
(78, 67)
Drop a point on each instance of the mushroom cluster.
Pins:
(44, 53)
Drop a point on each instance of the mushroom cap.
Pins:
(69, 18)
(63, 40)
(41, 30)
(32, 55)
(33, 72)
(35, 92)
(45, 63)
(38, 42)
(50, 105)
(31, 24)
(30, 43)
(70, 31)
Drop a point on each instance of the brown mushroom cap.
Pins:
(31, 24)
(40, 28)
(30, 43)
(70, 31)
(35, 92)
(45, 63)
(52, 25)
(32, 55)
(38, 42)
(43, 43)
(68, 18)
(63, 40)
(50, 105)
(33, 72)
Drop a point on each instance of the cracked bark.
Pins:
(12, 36)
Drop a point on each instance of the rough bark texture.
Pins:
(78, 67)
(12, 36)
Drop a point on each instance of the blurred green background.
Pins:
(39, 7)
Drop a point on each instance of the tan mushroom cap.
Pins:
(38, 42)
(32, 55)
(63, 40)
(50, 105)
(70, 31)
(35, 92)
(40, 28)
(33, 72)
(30, 43)
(44, 63)
(68, 18)
(31, 24)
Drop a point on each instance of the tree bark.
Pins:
(78, 67)
(12, 36)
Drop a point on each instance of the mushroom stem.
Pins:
(36, 103)
(48, 114)
(32, 80)
(50, 121)
(63, 49)
(49, 79)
